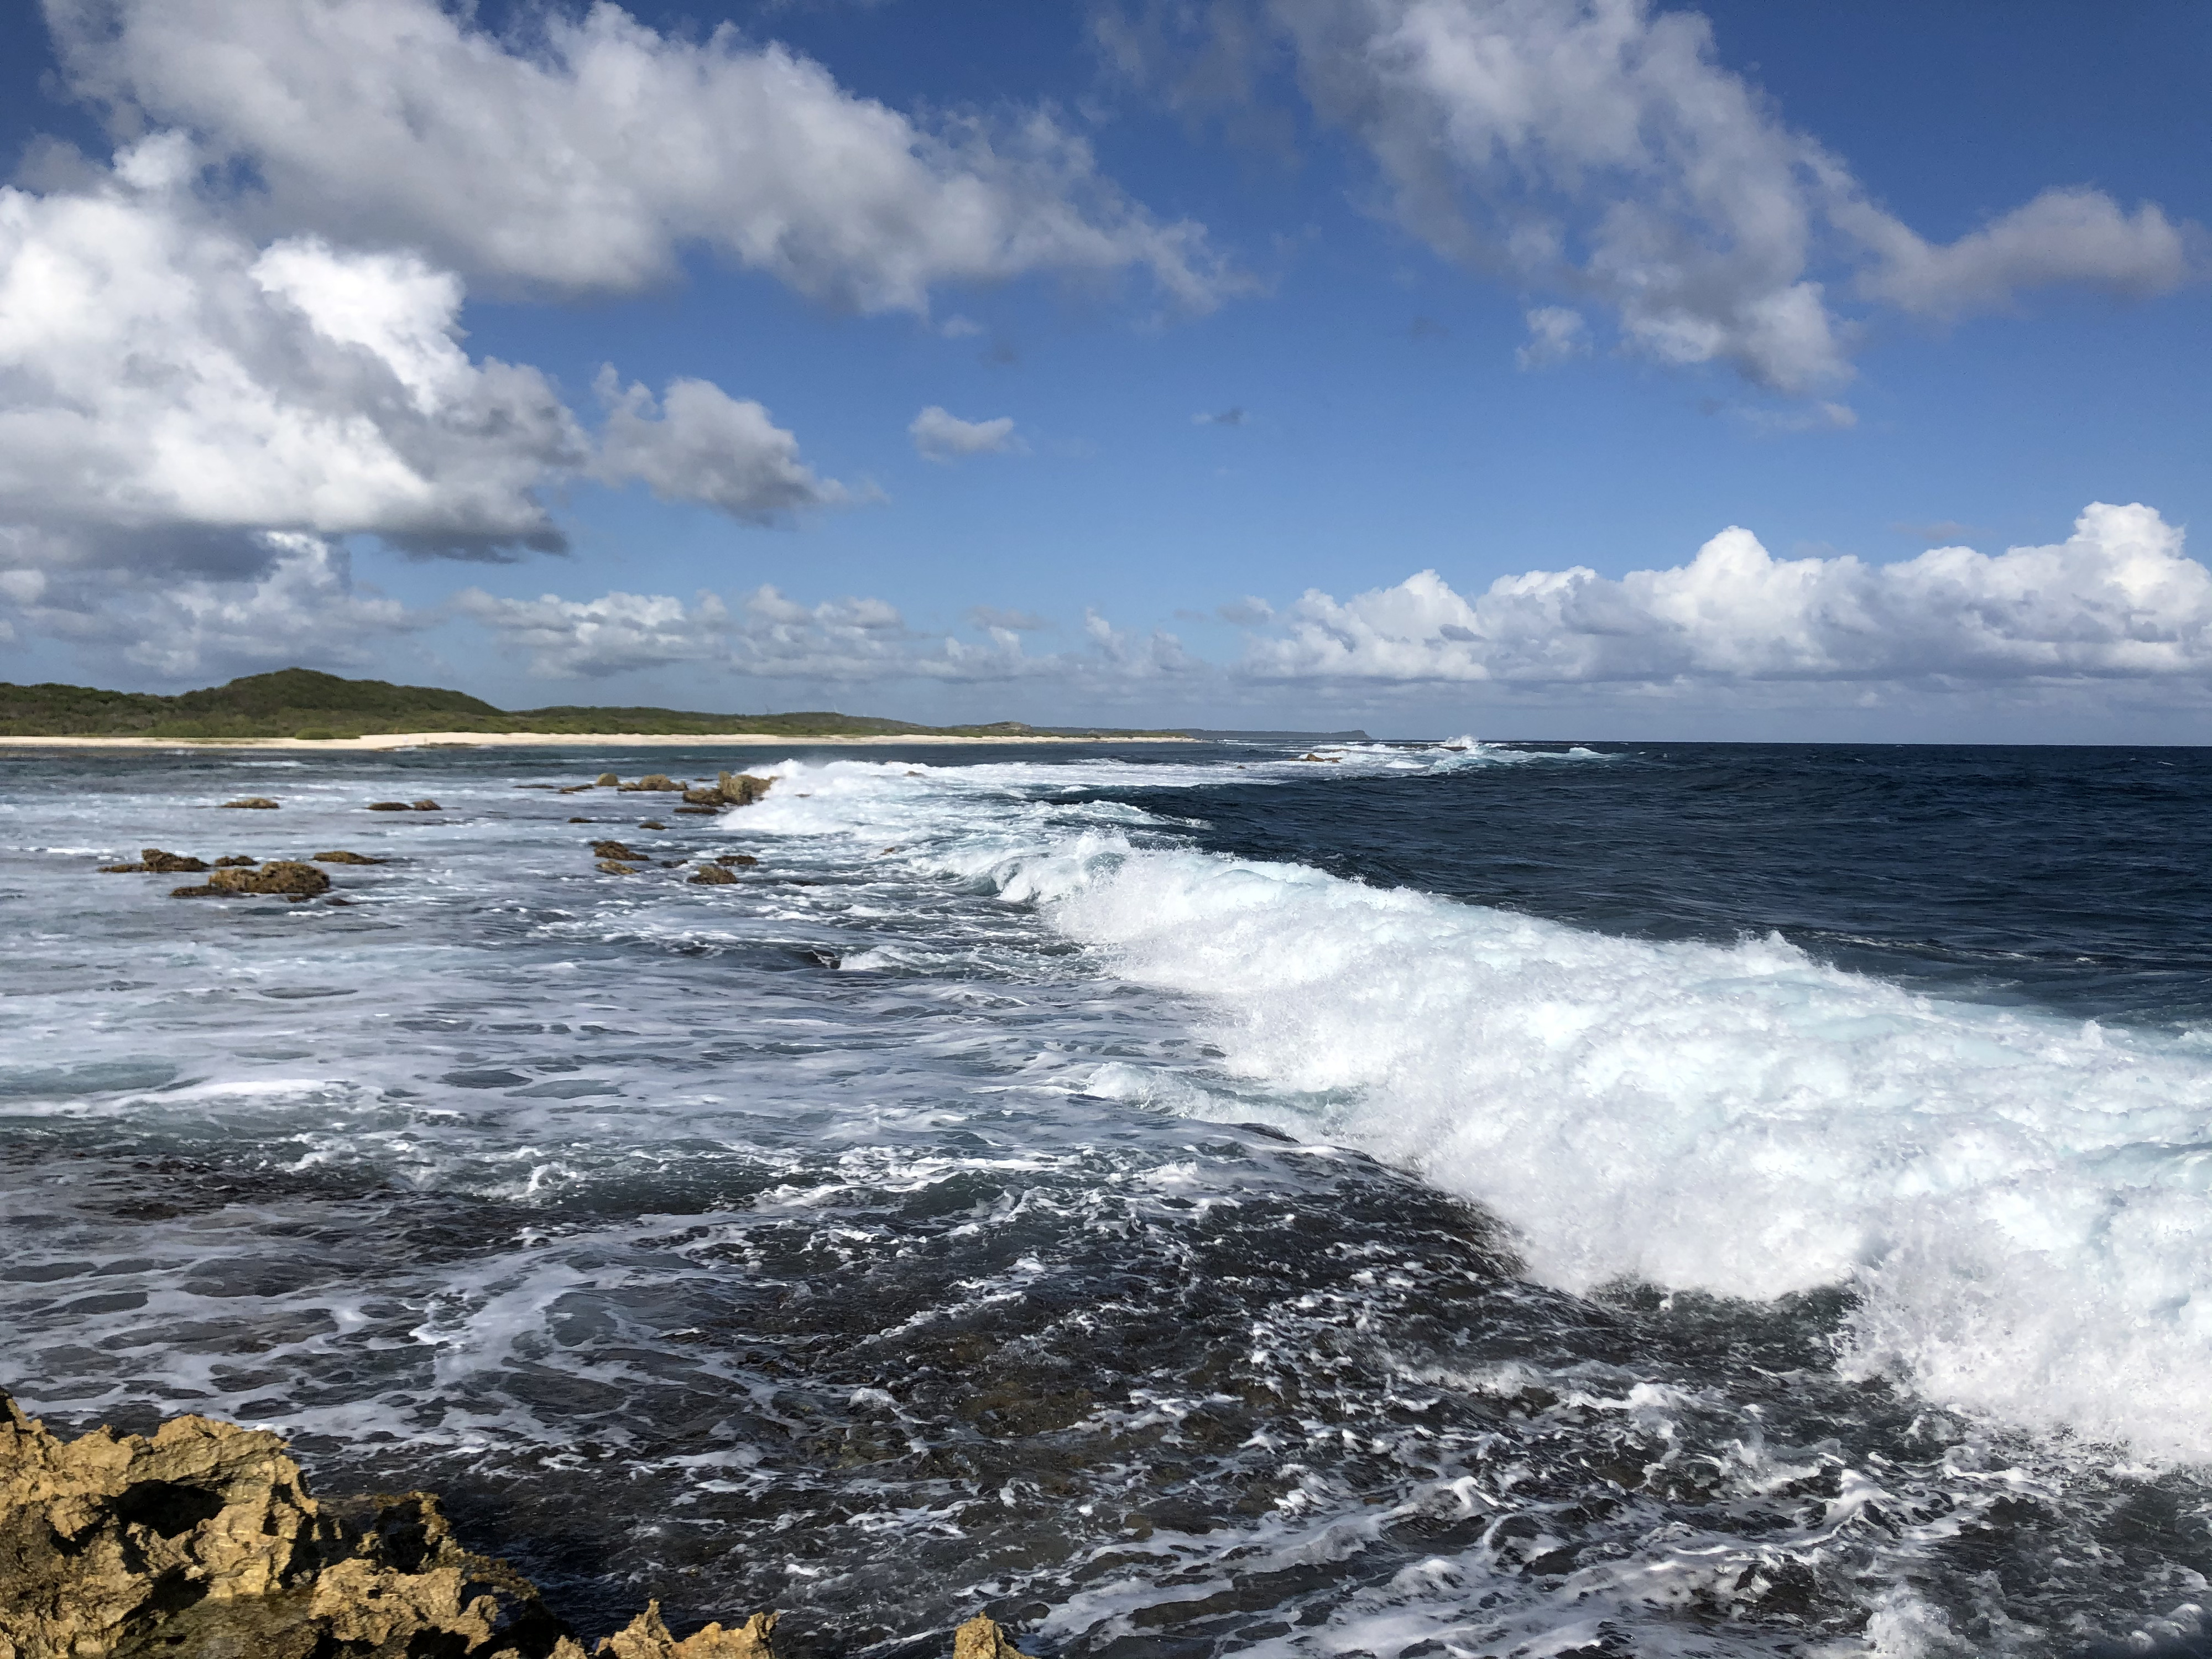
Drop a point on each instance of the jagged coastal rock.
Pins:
(280, 878)
(160, 863)
(203, 1543)
(712, 875)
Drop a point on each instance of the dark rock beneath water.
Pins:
(742, 861)
(389, 807)
(617, 867)
(651, 824)
(341, 856)
(254, 803)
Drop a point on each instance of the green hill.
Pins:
(301, 703)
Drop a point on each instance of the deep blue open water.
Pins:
(1187, 1199)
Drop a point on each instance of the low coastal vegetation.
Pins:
(299, 702)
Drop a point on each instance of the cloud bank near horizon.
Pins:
(2118, 609)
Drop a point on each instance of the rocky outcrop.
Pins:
(653, 783)
(203, 1542)
(427, 806)
(607, 780)
(730, 789)
(737, 860)
(239, 862)
(341, 856)
(647, 1637)
(405, 806)
(159, 862)
(254, 803)
(712, 875)
(613, 849)
(279, 877)
(617, 867)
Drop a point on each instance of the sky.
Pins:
(1524, 368)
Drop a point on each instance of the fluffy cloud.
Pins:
(160, 373)
(302, 607)
(849, 641)
(1555, 334)
(606, 636)
(2117, 600)
(585, 152)
(703, 445)
(1598, 148)
(938, 436)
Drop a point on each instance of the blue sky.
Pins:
(1236, 319)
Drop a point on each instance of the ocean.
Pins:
(1185, 1199)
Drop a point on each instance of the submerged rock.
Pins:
(341, 856)
(254, 803)
(741, 860)
(651, 824)
(712, 875)
(427, 806)
(389, 807)
(617, 867)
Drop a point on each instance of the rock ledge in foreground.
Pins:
(203, 1543)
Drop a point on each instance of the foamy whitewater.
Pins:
(1465, 1199)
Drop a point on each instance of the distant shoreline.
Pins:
(389, 741)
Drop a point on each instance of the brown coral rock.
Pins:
(982, 1639)
(648, 1637)
(202, 1542)
(287, 876)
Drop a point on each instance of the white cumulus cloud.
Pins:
(1599, 148)
(158, 371)
(2119, 599)
(938, 436)
(703, 445)
(302, 607)
(609, 635)
(587, 151)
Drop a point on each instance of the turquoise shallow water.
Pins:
(1187, 1199)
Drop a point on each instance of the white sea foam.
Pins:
(2019, 1201)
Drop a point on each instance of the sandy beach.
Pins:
(554, 740)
